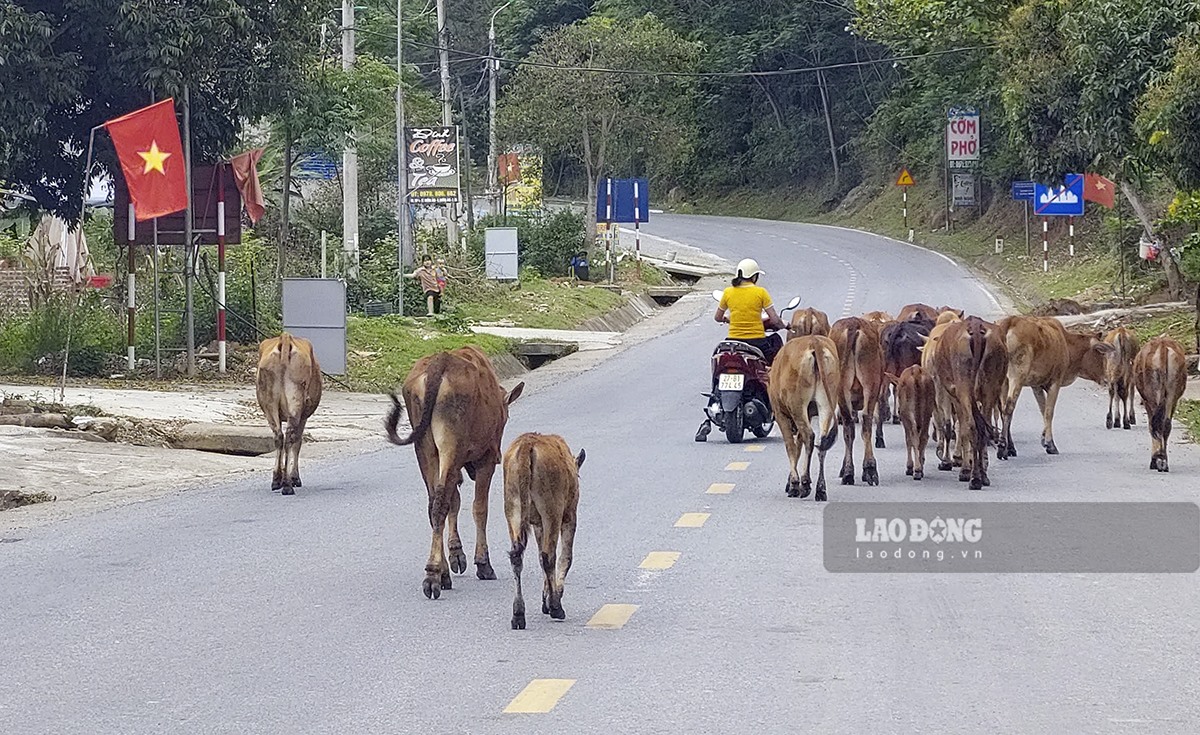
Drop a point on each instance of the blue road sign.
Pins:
(315, 166)
(623, 196)
(1060, 201)
(1023, 191)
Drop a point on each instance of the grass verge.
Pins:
(1188, 412)
(381, 350)
(537, 303)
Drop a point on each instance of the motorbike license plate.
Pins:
(731, 381)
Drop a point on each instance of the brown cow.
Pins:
(943, 411)
(1160, 373)
(902, 343)
(878, 318)
(808, 322)
(915, 401)
(541, 489)
(459, 411)
(804, 384)
(970, 363)
(920, 313)
(289, 391)
(1118, 374)
(861, 362)
(1046, 357)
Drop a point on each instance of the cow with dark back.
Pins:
(459, 412)
(1118, 374)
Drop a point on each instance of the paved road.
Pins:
(237, 610)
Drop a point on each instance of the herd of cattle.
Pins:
(951, 376)
(958, 378)
(459, 412)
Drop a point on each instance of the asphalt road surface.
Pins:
(236, 610)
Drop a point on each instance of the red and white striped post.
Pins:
(637, 227)
(221, 268)
(131, 295)
(1071, 231)
(1045, 245)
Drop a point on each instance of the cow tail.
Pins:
(433, 382)
(979, 349)
(825, 442)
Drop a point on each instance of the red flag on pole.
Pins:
(1098, 189)
(151, 155)
(245, 175)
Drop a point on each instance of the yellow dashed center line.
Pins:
(720, 488)
(612, 616)
(659, 560)
(539, 696)
(692, 520)
(737, 466)
(755, 448)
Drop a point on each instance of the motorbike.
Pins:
(741, 400)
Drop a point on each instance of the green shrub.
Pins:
(546, 242)
(34, 342)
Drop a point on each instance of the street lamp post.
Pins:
(492, 64)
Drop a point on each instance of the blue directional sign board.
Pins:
(315, 166)
(1023, 191)
(622, 203)
(1060, 201)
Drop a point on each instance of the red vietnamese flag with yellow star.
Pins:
(1097, 188)
(151, 156)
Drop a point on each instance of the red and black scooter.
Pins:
(741, 400)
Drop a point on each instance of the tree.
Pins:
(556, 101)
(66, 66)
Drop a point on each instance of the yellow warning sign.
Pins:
(905, 179)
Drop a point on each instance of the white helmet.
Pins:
(748, 268)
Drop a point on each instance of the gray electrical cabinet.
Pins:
(315, 309)
(500, 253)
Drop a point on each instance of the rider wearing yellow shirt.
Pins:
(742, 306)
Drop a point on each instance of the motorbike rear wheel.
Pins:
(735, 425)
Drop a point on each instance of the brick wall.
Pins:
(14, 288)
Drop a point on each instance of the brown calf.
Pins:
(289, 391)
(915, 402)
(541, 489)
(459, 411)
(902, 343)
(1043, 355)
(804, 384)
(970, 363)
(1160, 373)
(861, 362)
(943, 411)
(808, 322)
(1118, 374)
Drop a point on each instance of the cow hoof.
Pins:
(805, 488)
(1162, 465)
(964, 475)
(431, 588)
(1012, 450)
(879, 443)
(1126, 425)
(1108, 422)
(945, 466)
(483, 570)
(457, 559)
(1132, 421)
(557, 612)
(1051, 449)
(870, 474)
(446, 581)
(908, 471)
(975, 484)
(895, 420)
(792, 488)
(287, 490)
(518, 622)
(848, 479)
(820, 497)
(1154, 463)
(987, 481)
(296, 482)
(276, 482)
(918, 475)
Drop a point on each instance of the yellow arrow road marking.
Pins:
(539, 696)
(612, 616)
(720, 488)
(659, 560)
(692, 520)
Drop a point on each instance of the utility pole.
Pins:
(402, 248)
(349, 156)
(447, 116)
(493, 67)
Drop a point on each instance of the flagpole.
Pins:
(1121, 247)
(87, 174)
(189, 257)
(401, 169)
(131, 296)
(221, 267)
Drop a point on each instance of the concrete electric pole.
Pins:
(493, 188)
(403, 249)
(349, 156)
(447, 114)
